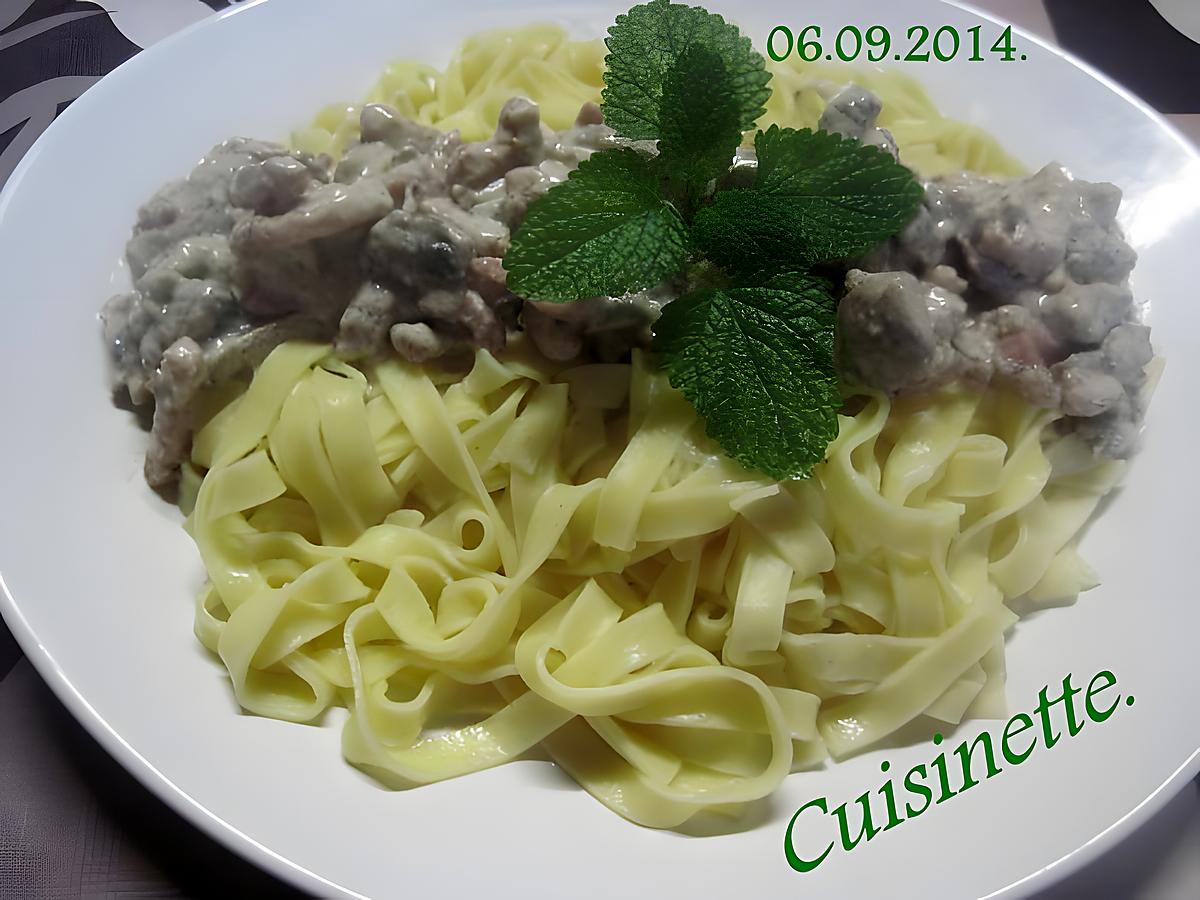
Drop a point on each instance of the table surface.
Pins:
(73, 823)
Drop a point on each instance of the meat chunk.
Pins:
(272, 187)
(1085, 313)
(183, 262)
(1104, 411)
(1088, 392)
(896, 332)
(185, 293)
(852, 112)
(487, 236)
(389, 140)
(199, 204)
(464, 309)
(1006, 238)
(1096, 250)
(300, 261)
(1126, 351)
(947, 277)
(1035, 232)
(1102, 389)
(186, 368)
(417, 342)
(372, 160)
(524, 185)
(380, 123)
(486, 276)
(184, 371)
(581, 140)
(417, 179)
(363, 329)
(1093, 377)
(518, 142)
(557, 337)
(589, 114)
(603, 328)
(326, 210)
(418, 249)
(922, 246)
(1023, 350)
(1014, 236)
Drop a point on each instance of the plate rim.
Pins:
(294, 873)
(47, 667)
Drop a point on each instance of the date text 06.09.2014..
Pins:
(874, 43)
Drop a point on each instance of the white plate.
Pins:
(99, 578)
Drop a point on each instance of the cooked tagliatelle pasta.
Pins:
(551, 557)
(534, 555)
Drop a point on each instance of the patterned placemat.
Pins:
(73, 823)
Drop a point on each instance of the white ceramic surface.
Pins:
(98, 578)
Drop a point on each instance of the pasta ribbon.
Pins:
(454, 565)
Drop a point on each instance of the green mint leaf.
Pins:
(645, 44)
(603, 231)
(701, 120)
(817, 197)
(757, 362)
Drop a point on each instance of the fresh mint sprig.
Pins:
(751, 345)
(757, 363)
(816, 197)
(700, 124)
(644, 49)
(605, 230)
